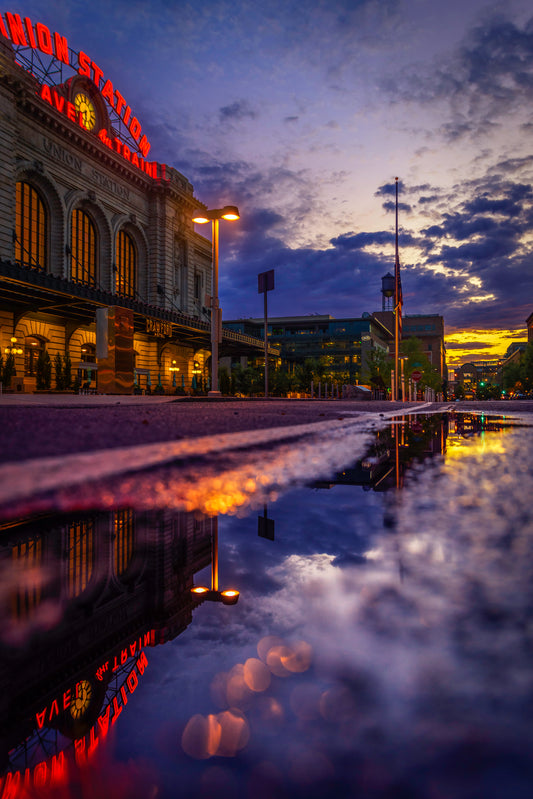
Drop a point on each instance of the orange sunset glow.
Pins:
(480, 345)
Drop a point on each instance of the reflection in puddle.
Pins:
(379, 647)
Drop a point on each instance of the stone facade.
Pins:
(82, 171)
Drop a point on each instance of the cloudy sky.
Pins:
(303, 113)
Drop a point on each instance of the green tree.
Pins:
(378, 369)
(527, 367)
(67, 371)
(58, 370)
(459, 391)
(512, 376)
(224, 381)
(9, 371)
(280, 382)
(44, 371)
(412, 349)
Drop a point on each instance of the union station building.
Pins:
(99, 257)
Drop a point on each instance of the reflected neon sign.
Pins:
(53, 772)
(24, 33)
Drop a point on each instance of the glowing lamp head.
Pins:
(200, 218)
(231, 213)
(230, 597)
(199, 590)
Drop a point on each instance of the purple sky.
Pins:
(302, 114)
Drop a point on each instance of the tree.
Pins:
(512, 376)
(9, 370)
(459, 391)
(224, 381)
(58, 369)
(67, 371)
(413, 349)
(44, 371)
(280, 382)
(378, 369)
(527, 367)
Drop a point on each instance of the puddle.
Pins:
(379, 645)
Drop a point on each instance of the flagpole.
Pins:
(397, 305)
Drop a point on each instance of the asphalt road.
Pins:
(35, 426)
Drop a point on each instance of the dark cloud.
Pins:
(469, 346)
(357, 241)
(390, 206)
(489, 76)
(472, 265)
(240, 109)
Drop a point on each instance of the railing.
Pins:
(39, 277)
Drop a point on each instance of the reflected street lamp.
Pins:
(230, 213)
(229, 596)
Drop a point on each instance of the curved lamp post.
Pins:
(230, 213)
(228, 596)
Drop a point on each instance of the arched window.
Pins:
(82, 248)
(80, 556)
(33, 347)
(31, 228)
(126, 263)
(26, 593)
(124, 540)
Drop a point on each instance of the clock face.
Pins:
(82, 699)
(84, 105)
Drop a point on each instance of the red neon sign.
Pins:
(54, 771)
(24, 33)
(58, 102)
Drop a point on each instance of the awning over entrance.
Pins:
(25, 290)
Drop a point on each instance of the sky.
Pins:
(303, 114)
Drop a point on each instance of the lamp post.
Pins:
(230, 213)
(14, 349)
(229, 596)
(174, 369)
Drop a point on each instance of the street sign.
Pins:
(416, 375)
(265, 281)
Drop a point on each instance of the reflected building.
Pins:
(409, 440)
(83, 599)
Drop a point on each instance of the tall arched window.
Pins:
(82, 249)
(126, 263)
(31, 228)
(124, 540)
(33, 347)
(80, 556)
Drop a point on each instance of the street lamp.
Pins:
(13, 349)
(173, 369)
(230, 213)
(229, 596)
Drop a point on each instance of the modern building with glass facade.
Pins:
(344, 344)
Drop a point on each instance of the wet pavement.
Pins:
(381, 642)
(36, 425)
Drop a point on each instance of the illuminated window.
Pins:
(81, 554)
(124, 540)
(82, 249)
(32, 349)
(31, 228)
(27, 595)
(126, 263)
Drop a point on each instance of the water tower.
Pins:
(387, 290)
